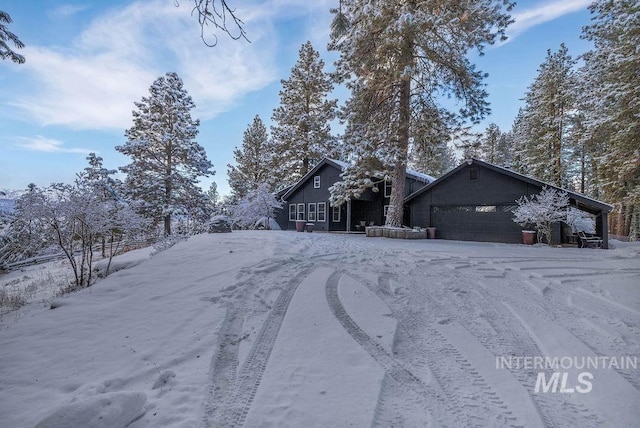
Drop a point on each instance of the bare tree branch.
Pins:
(221, 16)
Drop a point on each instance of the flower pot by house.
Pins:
(300, 225)
(431, 232)
(528, 237)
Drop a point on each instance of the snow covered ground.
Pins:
(286, 329)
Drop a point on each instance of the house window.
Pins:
(335, 214)
(473, 174)
(311, 214)
(322, 211)
(301, 212)
(292, 212)
(387, 189)
(385, 210)
(316, 182)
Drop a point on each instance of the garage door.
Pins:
(488, 223)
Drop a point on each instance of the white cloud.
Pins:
(67, 10)
(542, 13)
(94, 83)
(47, 145)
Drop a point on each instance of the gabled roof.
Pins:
(341, 166)
(586, 203)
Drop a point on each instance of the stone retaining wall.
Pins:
(397, 233)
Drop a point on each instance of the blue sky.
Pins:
(89, 61)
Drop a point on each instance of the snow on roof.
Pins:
(421, 176)
(418, 175)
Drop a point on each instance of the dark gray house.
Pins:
(474, 202)
(308, 200)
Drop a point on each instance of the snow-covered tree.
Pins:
(302, 133)
(7, 36)
(214, 197)
(495, 146)
(254, 161)
(611, 104)
(166, 159)
(542, 210)
(400, 59)
(26, 234)
(547, 119)
(429, 149)
(258, 204)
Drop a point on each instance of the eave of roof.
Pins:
(578, 197)
(341, 166)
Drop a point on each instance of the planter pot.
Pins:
(528, 236)
(300, 225)
(431, 232)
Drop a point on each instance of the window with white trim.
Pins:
(311, 213)
(301, 212)
(385, 210)
(322, 211)
(387, 189)
(292, 212)
(316, 182)
(335, 214)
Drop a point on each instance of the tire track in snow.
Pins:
(558, 411)
(224, 365)
(402, 391)
(573, 307)
(240, 394)
(421, 312)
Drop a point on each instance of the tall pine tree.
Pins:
(429, 149)
(302, 131)
(253, 161)
(611, 102)
(166, 159)
(494, 146)
(548, 117)
(399, 58)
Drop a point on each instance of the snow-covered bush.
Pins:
(542, 210)
(219, 224)
(257, 204)
(580, 221)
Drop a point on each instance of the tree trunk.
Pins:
(396, 203)
(167, 189)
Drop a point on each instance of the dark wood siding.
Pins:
(461, 207)
(307, 194)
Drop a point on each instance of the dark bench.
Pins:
(589, 241)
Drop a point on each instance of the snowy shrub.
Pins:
(258, 204)
(580, 221)
(219, 224)
(167, 242)
(10, 300)
(541, 210)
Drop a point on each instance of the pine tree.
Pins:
(549, 106)
(254, 161)
(302, 131)
(611, 104)
(494, 146)
(167, 160)
(399, 58)
(7, 36)
(429, 150)
(214, 197)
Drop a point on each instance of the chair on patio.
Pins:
(589, 241)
